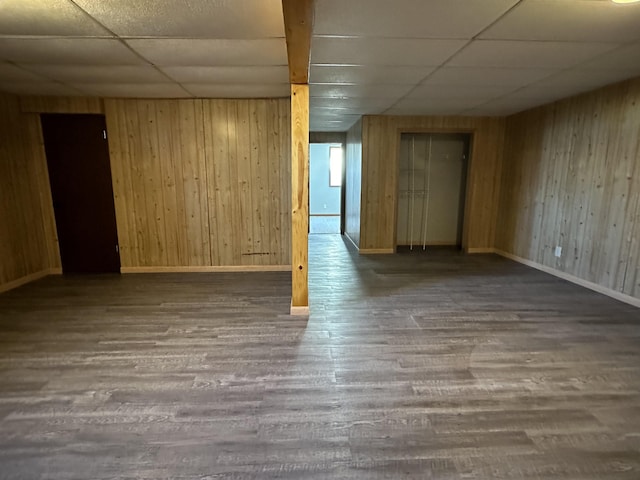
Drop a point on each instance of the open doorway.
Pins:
(325, 184)
(431, 189)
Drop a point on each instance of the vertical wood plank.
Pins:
(120, 174)
(217, 145)
(285, 162)
(273, 182)
(246, 215)
(167, 154)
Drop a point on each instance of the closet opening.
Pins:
(432, 184)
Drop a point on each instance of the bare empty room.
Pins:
(460, 302)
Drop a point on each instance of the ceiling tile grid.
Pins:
(449, 57)
(144, 48)
(466, 57)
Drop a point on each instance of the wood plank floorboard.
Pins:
(431, 365)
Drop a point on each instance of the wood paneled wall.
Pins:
(201, 182)
(37, 104)
(380, 151)
(353, 182)
(572, 179)
(27, 227)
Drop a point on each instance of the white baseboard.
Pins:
(32, 277)
(623, 297)
(208, 269)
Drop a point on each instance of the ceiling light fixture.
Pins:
(625, 1)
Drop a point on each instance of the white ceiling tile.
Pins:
(505, 106)
(426, 110)
(321, 117)
(568, 20)
(448, 92)
(230, 75)
(438, 103)
(189, 19)
(382, 91)
(183, 52)
(100, 73)
(330, 126)
(10, 73)
(47, 17)
(349, 74)
(480, 76)
(623, 58)
(364, 110)
(132, 90)
(382, 51)
(520, 54)
(76, 51)
(40, 88)
(276, 90)
(407, 18)
(347, 102)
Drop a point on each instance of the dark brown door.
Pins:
(80, 175)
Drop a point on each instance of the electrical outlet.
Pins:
(558, 251)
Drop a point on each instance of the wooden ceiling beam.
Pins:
(298, 27)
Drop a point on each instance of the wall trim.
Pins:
(481, 250)
(207, 269)
(622, 297)
(32, 277)
(376, 251)
(346, 234)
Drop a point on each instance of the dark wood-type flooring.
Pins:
(412, 366)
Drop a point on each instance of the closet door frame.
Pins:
(467, 193)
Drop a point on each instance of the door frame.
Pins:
(334, 139)
(467, 192)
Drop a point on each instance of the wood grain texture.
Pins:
(28, 241)
(380, 154)
(353, 183)
(37, 104)
(411, 366)
(298, 27)
(299, 194)
(198, 182)
(571, 179)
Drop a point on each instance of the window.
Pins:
(335, 166)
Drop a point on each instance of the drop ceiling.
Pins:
(402, 57)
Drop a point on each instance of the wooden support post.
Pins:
(298, 26)
(299, 198)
